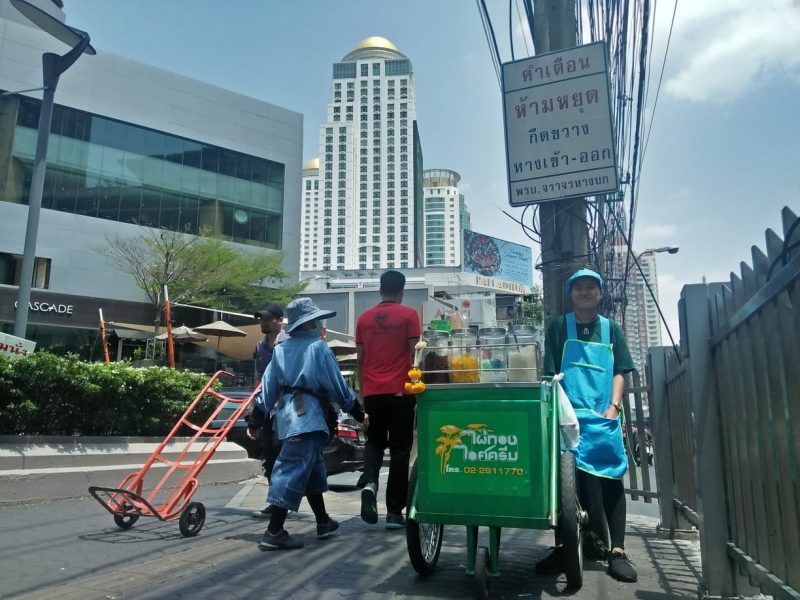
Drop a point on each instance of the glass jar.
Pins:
(493, 355)
(523, 354)
(464, 356)
(436, 357)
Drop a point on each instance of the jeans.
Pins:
(391, 423)
(299, 470)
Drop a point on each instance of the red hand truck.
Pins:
(170, 496)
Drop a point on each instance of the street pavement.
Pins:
(72, 550)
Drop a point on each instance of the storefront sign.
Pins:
(13, 347)
(559, 133)
(47, 307)
(480, 453)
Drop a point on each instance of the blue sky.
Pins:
(723, 154)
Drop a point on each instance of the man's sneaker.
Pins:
(395, 521)
(369, 504)
(279, 541)
(621, 568)
(264, 513)
(552, 564)
(327, 528)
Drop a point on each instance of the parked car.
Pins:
(343, 453)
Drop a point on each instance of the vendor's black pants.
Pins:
(391, 423)
(604, 500)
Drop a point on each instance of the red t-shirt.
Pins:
(384, 332)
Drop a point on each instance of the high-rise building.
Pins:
(642, 324)
(310, 215)
(446, 216)
(367, 176)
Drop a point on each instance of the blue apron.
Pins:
(588, 369)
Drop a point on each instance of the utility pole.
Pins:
(564, 230)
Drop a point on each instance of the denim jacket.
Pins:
(306, 362)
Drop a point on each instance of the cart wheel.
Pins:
(125, 521)
(192, 519)
(424, 540)
(570, 521)
(482, 573)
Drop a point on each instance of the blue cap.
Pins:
(583, 273)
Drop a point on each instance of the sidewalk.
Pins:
(43, 468)
(668, 569)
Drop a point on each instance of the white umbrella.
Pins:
(183, 334)
(220, 329)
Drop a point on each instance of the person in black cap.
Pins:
(270, 317)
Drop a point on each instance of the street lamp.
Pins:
(53, 66)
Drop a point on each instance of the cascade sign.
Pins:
(559, 133)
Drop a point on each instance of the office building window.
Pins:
(179, 184)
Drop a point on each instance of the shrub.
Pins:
(46, 394)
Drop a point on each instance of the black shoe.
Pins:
(279, 541)
(395, 521)
(264, 513)
(326, 529)
(552, 564)
(621, 568)
(369, 504)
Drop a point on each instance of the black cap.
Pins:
(269, 310)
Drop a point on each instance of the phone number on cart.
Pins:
(494, 471)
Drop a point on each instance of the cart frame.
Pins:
(432, 505)
(126, 501)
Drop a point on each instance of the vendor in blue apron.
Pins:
(591, 352)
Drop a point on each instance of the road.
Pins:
(72, 549)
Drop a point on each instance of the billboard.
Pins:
(559, 132)
(498, 259)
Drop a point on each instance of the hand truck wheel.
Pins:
(125, 521)
(192, 519)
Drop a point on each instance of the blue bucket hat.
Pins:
(583, 273)
(304, 310)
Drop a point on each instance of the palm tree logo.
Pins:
(452, 438)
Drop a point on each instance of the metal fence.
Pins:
(726, 414)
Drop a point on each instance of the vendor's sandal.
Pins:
(621, 568)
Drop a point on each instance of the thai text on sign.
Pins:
(559, 134)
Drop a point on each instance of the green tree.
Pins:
(200, 270)
(532, 310)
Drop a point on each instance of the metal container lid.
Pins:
(463, 332)
(491, 332)
(522, 329)
(434, 334)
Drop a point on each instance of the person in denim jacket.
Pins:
(302, 376)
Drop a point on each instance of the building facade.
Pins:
(132, 148)
(446, 217)
(369, 181)
(642, 322)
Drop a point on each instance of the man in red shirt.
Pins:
(385, 338)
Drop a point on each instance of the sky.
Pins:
(722, 156)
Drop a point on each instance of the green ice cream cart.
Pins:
(488, 454)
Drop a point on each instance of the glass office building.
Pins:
(105, 168)
(133, 149)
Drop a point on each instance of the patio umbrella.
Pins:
(220, 329)
(183, 334)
